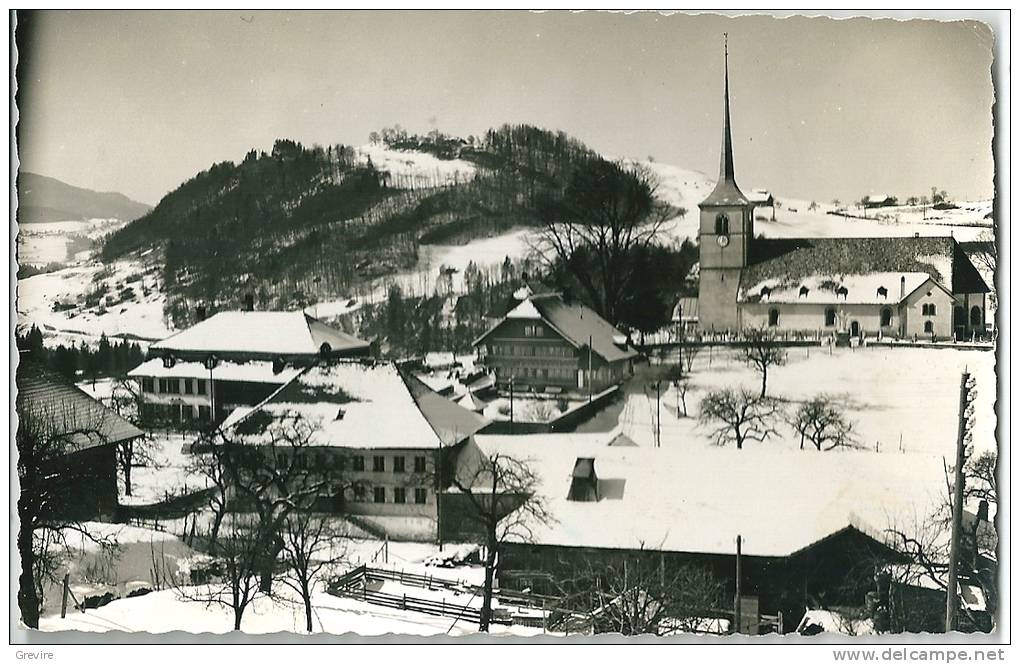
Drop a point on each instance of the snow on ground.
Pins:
(887, 392)
(165, 611)
(166, 473)
(50, 242)
(420, 169)
(141, 316)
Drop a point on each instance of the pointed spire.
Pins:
(726, 160)
(726, 191)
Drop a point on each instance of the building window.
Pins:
(773, 317)
(147, 385)
(200, 384)
(204, 412)
(188, 389)
(379, 494)
(358, 463)
(533, 330)
(378, 464)
(929, 327)
(420, 496)
(341, 463)
(400, 495)
(830, 317)
(927, 309)
(359, 493)
(975, 317)
(722, 224)
(398, 464)
(419, 464)
(886, 317)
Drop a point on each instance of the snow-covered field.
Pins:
(891, 394)
(51, 242)
(141, 316)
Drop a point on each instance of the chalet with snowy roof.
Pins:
(547, 343)
(806, 542)
(82, 474)
(896, 286)
(198, 376)
(385, 435)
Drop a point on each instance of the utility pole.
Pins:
(952, 598)
(589, 368)
(736, 595)
(658, 416)
(511, 403)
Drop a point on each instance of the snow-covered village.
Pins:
(489, 371)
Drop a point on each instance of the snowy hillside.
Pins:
(682, 188)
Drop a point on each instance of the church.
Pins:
(900, 287)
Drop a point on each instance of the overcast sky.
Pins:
(137, 102)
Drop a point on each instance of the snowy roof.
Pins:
(255, 371)
(761, 197)
(698, 499)
(363, 405)
(56, 403)
(576, 323)
(260, 333)
(794, 259)
(874, 288)
(471, 402)
(526, 310)
(686, 309)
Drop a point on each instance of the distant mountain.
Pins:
(42, 199)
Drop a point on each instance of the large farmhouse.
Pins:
(234, 358)
(812, 530)
(384, 434)
(545, 342)
(901, 287)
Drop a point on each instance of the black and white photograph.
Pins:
(510, 327)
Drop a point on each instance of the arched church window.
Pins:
(975, 316)
(830, 317)
(722, 224)
(773, 317)
(929, 327)
(886, 317)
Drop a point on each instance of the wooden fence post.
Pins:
(63, 598)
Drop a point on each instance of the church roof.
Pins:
(793, 260)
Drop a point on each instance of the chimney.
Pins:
(200, 313)
(249, 302)
(903, 287)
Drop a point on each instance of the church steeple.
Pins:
(726, 191)
(726, 160)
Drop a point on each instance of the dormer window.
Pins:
(340, 414)
(803, 291)
(722, 224)
(842, 291)
(765, 292)
(883, 292)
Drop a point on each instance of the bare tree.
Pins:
(739, 416)
(266, 472)
(48, 490)
(126, 400)
(312, 543)
(823, 423)
(761, 351)
(502, 501)
(688, 353)
(607, 211)
(925, 540)
(683, 387)
(643, 594)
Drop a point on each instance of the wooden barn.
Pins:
(810, 527)
(75, 439)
